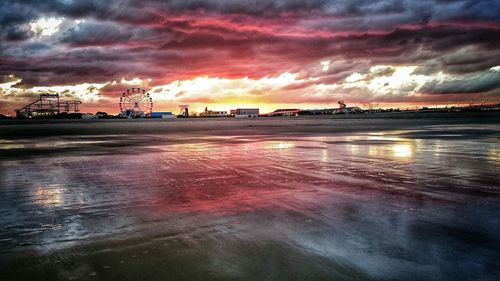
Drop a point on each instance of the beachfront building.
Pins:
(89, 116)
(245, 112)
(324, 111)
(284, 112)
(353, 110)
(162, 115)
(212, 113)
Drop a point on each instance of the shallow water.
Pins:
(417, 204)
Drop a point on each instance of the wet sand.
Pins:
(232, 126)
(390, 198)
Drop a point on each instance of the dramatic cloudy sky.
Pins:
(230, 53)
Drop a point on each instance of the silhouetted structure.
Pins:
(184, 110)
(342, 107)
(135, 103)
(48, 105)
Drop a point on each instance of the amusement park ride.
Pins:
(342, 107)
(48, 106)
(184, 110)
(135, 103)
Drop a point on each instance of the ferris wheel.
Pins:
(136, 102)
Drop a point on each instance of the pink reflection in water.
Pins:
(376, 200)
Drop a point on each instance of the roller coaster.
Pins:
(48, 105)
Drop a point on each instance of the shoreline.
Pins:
(384, 115)
(15, 129)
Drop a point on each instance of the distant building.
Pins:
(353, 110)
(102, 114)
(166, 114)
(212, 113)
(89, 116)
(284, 112)
(343, 109)
(329, 111)
(245, 112)
(324, 111)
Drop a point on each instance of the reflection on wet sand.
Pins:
(396, 205)
(50, 195)
(402, 150)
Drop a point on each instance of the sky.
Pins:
(228, 54)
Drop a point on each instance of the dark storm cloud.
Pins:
(18, 33)
(19, 12)
(466, 60)
(249, 54)
(99, 34)
(469, 83)
(14, 13)
(76, 67)
(180, 39)
(7, 79)
(257, 7)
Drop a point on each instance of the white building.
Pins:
(245, 112)
(212, 113)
